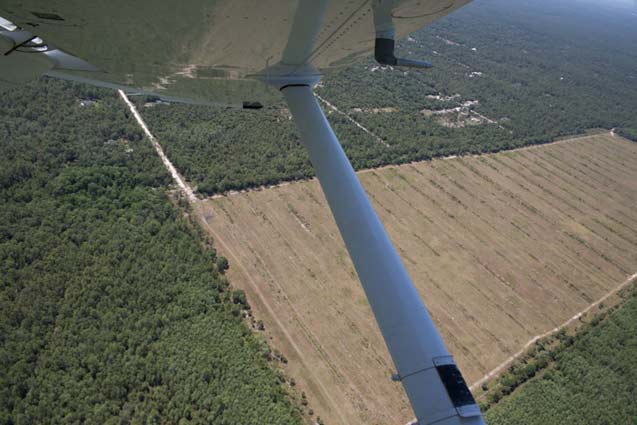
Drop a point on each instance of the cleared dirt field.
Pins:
(502, 247)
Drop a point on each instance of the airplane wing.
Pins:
(201, 51)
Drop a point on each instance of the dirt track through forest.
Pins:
(181, 183)
(352, 120)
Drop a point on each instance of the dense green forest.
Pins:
(538, 71)
(112, 310)
(591, 377)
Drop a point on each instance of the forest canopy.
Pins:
(111, 309)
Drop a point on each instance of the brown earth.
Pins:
(502, 247)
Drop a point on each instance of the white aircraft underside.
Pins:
(198, 50)
(227, 52)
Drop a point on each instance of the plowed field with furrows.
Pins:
(502, 247)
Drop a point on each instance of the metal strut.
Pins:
(435, 387)
(385, 43)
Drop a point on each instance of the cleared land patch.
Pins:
(503, 247)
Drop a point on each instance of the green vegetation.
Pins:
(629, 133)
(589, 378)
(223, 150)
(538, 71)
(112, 310)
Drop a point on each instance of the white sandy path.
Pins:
(352, 120)
(187, 190)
